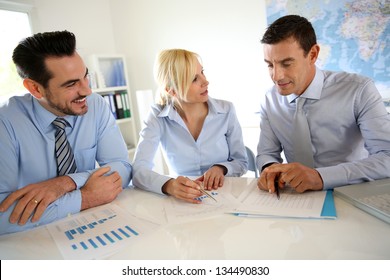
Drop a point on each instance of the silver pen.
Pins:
(206, 193)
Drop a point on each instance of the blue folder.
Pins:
(329, 209)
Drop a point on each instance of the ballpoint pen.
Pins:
(206, 193)
(277, 189)
(202, 190)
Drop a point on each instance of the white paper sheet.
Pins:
(97, 232)
(178, 211)
(291, 204)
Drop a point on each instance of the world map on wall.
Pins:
(354, 35)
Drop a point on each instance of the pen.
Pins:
(206, 193)
(277, 189)
(202, 190)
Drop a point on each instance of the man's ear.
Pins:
(33, 87)
(314, 52)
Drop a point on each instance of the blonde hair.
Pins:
(175, 69)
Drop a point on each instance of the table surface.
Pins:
(354, 235)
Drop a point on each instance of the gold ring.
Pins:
(35, 201)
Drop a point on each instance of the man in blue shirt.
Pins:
(32, 190)
(348, 122)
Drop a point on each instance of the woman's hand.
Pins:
(213, 178)
(183, 188)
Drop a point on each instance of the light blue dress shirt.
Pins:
(220, 142)
(349, 126)
(27, 152)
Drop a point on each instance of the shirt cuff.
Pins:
(333, 176)
(79, 178)
(70, 203)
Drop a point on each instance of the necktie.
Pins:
(64, 155)
(303, 152)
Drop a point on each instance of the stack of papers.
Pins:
(252, 202)
(310, 204)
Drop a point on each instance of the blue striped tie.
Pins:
(64, 155)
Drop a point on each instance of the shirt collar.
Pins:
(45, 118)
(314, 90)
(214, 108)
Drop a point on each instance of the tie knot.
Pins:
(60, 123)
(299, 103)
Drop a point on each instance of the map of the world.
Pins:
(354, 35)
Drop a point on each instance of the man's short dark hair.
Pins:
(30, 54)
(293, 26)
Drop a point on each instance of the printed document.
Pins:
(255, 202)
(98, 232)
(178, 211)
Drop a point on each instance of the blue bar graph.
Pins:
(92, 243)
(123, 232)
(97, 233)
(116, 235)
(83, 245)
(131, 230)
(101, 240)
(70, 234)
(108, 238)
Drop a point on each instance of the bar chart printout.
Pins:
(95, 233)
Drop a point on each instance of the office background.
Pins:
(226, 33)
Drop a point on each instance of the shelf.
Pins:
(109, 78)
(109, 89)
(119, 121)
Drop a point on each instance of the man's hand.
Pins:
(100, 188)
(296, 175)
(33, 199)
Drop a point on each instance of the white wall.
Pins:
(226, 33)
(89, 20)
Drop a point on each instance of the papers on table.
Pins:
(310, 204)
(180, 211)
(101, 231)
(252, 202)
(97, 232)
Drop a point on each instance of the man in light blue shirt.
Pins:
(31, 191)
(348, 123)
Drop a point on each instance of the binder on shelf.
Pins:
(125, 102)
(109, 97)
(118, 71)
(119, 105)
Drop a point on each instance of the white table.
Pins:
(353, 235)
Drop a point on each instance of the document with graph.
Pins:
(97, 232)
(219, 202)
(310, 204)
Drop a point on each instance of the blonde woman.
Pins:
(200, 136)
